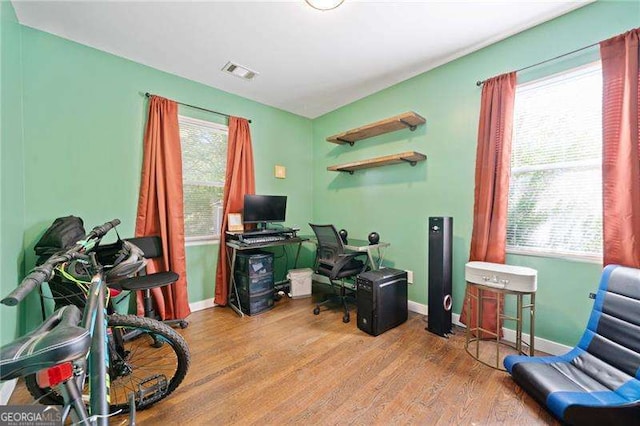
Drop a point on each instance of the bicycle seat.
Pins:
(145, 282)
(58, 339)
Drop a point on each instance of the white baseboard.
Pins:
(201, 305)
(455, 318)
(544, 345)
(6, 389)
(418, 308)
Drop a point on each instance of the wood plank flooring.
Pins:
(288, 366)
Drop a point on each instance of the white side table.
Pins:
(506, 280)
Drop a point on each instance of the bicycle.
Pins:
(106, 349)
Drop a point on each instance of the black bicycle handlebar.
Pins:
(101, 230)
(44, 272)
(27, 285)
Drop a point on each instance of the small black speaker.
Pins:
(440, 265)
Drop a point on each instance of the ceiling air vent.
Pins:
(239, 71)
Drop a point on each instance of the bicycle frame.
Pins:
(95, 320)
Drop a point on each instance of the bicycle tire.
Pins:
(166, 363)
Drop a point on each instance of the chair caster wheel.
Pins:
(316, 311)
(345, 319)
(183, 324)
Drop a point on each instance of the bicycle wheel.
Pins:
(147, 358)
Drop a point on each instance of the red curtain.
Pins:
(621, 149)
(160, 204)
(239, 180)
(493, 170)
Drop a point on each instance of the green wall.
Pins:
(11, 167)
(84, 115)
(396, 201)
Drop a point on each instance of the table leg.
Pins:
(467, 333)
(232, 283)
(380, 256)
(519, 323)
(295, 262)
(480, 295)
(372, 262)
(531, 324)
(497, 330)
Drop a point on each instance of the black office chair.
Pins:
(151, 248)
(335, 264)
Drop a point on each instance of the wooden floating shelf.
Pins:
(410, 120)
(410, 157)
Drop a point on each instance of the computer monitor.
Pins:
(263, 209)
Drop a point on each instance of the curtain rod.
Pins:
(193, 106)
(481, 82)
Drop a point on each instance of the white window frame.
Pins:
(204, 239)
(548, 253)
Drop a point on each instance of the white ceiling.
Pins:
(309, 62)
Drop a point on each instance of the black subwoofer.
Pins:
(440, 259)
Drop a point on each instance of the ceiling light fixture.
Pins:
(324, 4)
(239, 71)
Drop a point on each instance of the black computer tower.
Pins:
(381, 300)
(439, 276)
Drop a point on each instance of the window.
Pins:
(555, 195)
(204, 158)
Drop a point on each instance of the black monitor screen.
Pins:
(264, 208)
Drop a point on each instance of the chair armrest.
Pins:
(353, 254)
(344, 258)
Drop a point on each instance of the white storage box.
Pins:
(497, 275)
(300, 280)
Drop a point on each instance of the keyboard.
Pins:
(264, 232)
(263, 239)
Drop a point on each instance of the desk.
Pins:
(363, 246)
(233, 246)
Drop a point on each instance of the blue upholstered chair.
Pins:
(598, 382)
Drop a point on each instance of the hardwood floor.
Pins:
(288, 366)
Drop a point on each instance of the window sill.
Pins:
(201, 242)
(583, 258)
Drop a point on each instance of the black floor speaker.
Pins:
(440, 259)
(382, 300)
